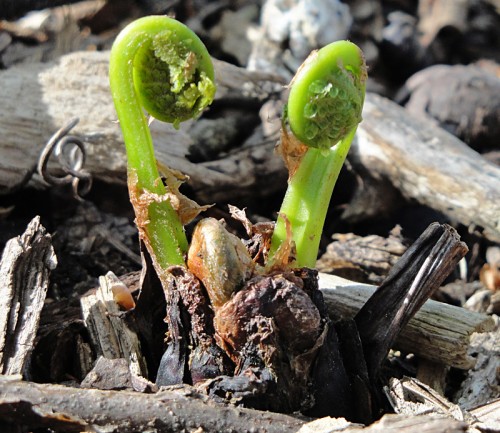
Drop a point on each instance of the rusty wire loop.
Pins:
(70, 153)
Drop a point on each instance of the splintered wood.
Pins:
(112, 336)
(24, 269)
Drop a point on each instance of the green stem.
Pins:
(307, 199)
(134, 82)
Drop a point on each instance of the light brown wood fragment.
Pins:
(24, 269)
(417, 424)
(388, 423)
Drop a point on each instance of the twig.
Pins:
(74, 409)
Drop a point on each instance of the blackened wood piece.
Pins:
(439, 332)
(354, 361)
(191, 355)
(335, 386)
(411, 282)
(330, 383)
(173, 367)
(149, 312)
(25, 268)
(167, 411)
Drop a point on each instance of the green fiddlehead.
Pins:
(323, 111)
(159, 65)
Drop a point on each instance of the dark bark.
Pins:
(410, 283)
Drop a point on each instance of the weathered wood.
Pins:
(61, 347)
(116, 374)
(464, 100)
(389, 424)
(24, 269)
(488, 414)
(37, 102)
(184, 409)
(409, 396)
(426, 164)
(439, 332)
(17, 8)
(365, 259)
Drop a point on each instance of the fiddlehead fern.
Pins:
(159, 65)
(323, 112)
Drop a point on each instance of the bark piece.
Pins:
(439, 332)
(365, 259)
(62, 348)
(115, 374)
(388, 424)
(171, 411)
(409, 396)
(464, 100)
(482, 382)
(168, 411)
(488, 414)
(25, 268)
